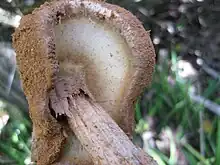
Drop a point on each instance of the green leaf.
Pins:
(217, 155)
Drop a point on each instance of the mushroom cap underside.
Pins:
(106, 42)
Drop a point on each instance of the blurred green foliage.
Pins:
(173, 119)
(171, 127)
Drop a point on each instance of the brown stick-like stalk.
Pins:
(104, 140)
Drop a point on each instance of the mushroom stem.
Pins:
(101, 136)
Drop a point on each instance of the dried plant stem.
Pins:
(213, 107)
(101, 136)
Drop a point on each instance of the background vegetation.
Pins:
(177, 117)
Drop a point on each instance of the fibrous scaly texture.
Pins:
(62, 40)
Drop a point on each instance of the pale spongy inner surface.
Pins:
(103, 53)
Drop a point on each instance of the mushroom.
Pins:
(71, 47)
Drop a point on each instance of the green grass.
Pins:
(172, 107)
(15, 136)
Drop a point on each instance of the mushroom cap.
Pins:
(105, 42)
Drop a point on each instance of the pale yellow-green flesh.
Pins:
(103, 53)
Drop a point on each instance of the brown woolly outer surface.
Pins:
(34, 44)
